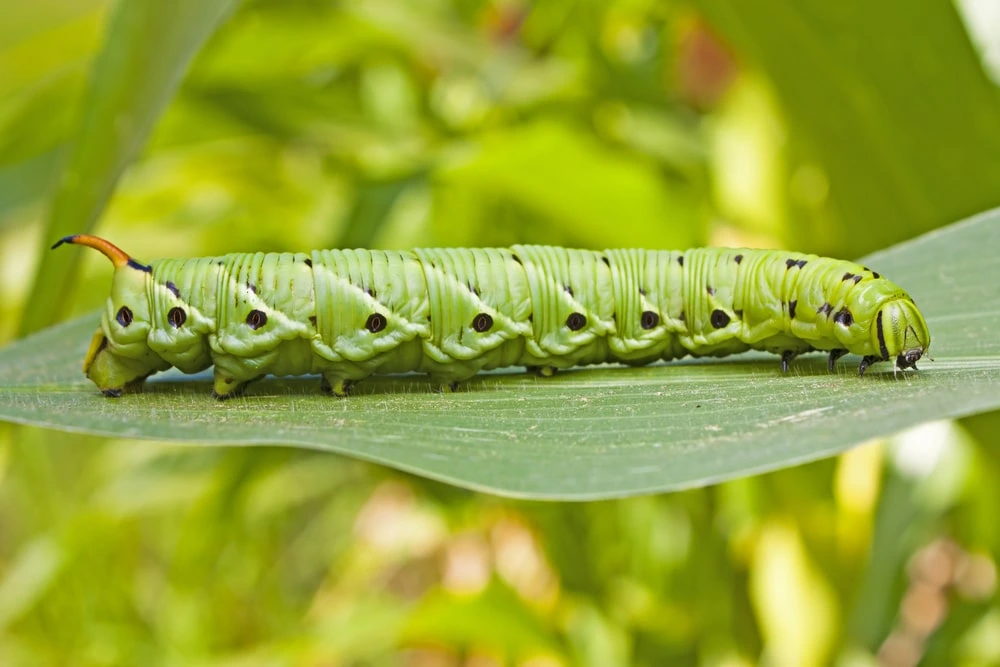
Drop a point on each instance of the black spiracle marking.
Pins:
(851, 276)
(312, 320)
(680, 259)
(719, 318)
(825, 309)
(789, 263)
(739, 313)
(569, 290)
(252, 287)
(738, 259)
(309, 262)
(517, 259)
(176, 317)
(607, 262)
(124, 316)
(376, 322)
(371, 292)
(172, 288)
(576, 321)
(791, 309)
(844, 317)
(482, 322)
(710, 290)
(256, 319)
(649, 319)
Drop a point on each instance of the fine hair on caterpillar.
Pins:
(452, 312)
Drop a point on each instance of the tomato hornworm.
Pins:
(452, 312)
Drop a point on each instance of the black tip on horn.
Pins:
(65, 239)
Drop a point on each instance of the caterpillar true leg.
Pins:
(542, 371)
(832, 359)
(866, 362)
(786, 357)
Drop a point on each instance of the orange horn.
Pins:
(117, 256)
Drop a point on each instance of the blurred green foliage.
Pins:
(833, 127)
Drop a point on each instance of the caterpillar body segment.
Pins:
(452, 312)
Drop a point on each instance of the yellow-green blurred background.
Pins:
(831, 127)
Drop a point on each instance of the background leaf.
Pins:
(147, 51)
(586, 433)
(865, 132)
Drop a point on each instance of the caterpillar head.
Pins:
(119, 357)
(899, 331)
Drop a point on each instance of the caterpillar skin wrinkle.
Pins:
(452, 312)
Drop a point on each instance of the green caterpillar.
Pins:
(450, 313)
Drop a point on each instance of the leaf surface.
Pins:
(587, 433)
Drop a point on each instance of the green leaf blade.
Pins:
(900, 152)
(147, 51)
(584, 434)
